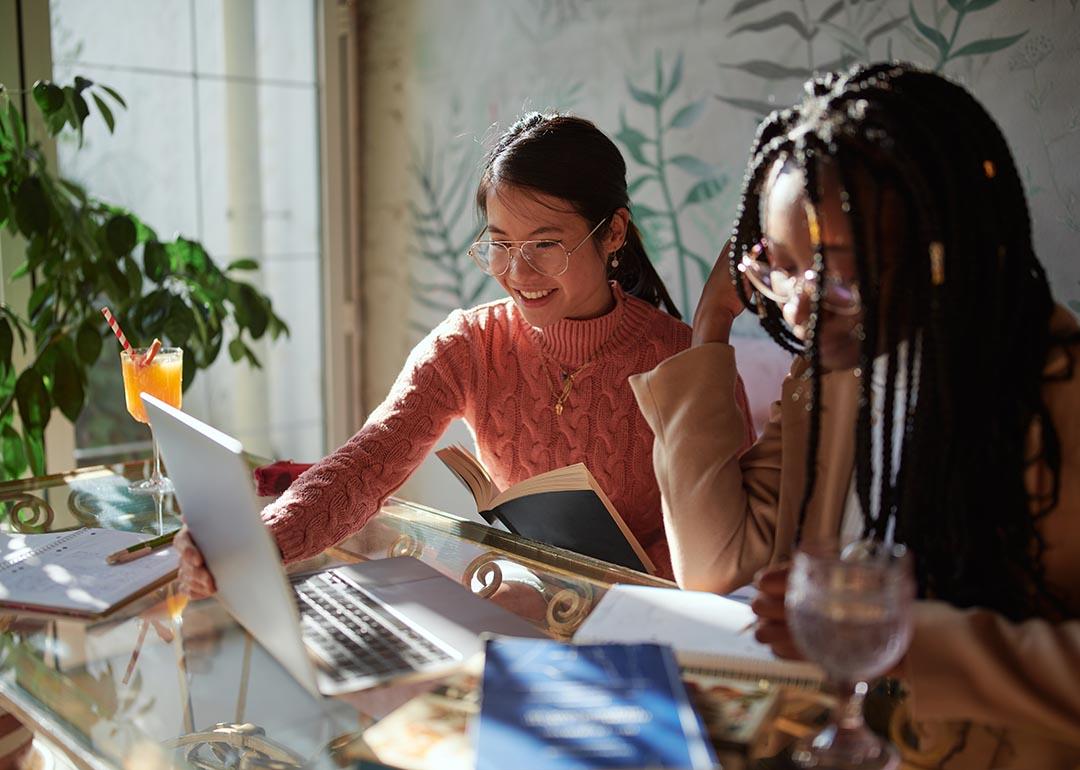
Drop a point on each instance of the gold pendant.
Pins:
(558, 410)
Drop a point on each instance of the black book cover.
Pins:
(573, 519)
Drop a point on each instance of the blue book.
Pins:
(553, 706)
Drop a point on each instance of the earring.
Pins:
(614, 260)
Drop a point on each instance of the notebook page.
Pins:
(66, 571)
(700, 626)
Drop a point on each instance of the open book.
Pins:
(64, 573)
(565, 507)
(708, 632)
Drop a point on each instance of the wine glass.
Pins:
(160, 378)
(851, 613)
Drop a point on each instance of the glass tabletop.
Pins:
(173, 684)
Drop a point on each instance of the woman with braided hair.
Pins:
(935, 399)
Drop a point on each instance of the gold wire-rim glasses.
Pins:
(522, 248)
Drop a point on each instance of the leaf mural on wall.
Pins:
(847, 30)
(649, 148)
(944, 41)
(443, 227)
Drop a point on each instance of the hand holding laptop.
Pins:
(195, 579)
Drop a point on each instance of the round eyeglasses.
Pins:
(837, 295)
(546, 257)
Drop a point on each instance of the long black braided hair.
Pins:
(970, 297)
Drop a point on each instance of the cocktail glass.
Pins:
(160, 378)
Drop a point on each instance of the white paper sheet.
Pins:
(67, 571)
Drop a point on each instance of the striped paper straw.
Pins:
(116, 329)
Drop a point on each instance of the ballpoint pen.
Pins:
(141, 549)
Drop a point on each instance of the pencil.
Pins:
(141, 549)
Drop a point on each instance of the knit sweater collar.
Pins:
(571, 342)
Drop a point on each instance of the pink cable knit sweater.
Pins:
(492, 368)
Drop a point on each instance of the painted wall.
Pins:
(681, 86)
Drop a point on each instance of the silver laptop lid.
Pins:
(214, 487)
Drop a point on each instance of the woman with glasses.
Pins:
(934, 402)
(541, 376)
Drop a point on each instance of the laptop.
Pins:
(336, 631)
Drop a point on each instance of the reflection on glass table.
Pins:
(162, 683)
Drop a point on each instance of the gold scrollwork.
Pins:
(29, 513)
(230, 745)
(486, 570)
(405, 545)
(567, 608)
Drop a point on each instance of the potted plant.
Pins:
(82, 252)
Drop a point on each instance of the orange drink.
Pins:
(160, 378)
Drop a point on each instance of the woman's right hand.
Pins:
(719, 303)
(195, 579)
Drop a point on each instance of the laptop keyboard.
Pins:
(354, 635)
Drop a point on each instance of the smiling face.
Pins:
(513, 215)
(787, 241)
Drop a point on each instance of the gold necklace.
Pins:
(568, 384)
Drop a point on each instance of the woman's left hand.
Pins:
(768, 605)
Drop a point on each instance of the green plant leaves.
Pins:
(120, 235)
(49, 97)
(35, 406)
(156, 261)
(88, 342)
(11, 449)
(180, 323)
(35, 450)
(80, 250)
(32, 210)
(67, 388)
(7, 344)
(106, 113)
(248, 308)
(187, 255)
(119, 99)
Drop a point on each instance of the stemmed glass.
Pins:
(850, 612)
(161, 378)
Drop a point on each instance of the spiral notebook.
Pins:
(707, 631)
(64, 573)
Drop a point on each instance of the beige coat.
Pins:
(727, 516)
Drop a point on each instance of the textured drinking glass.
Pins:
(160, 378)
(851, 614)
